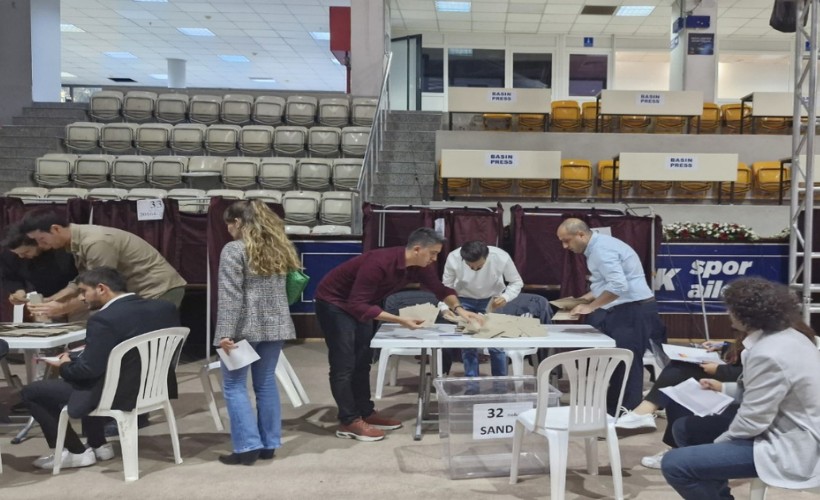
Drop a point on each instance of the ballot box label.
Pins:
(150, 209)
(497, 420)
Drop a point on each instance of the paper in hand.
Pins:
(700, 401)
(564, 316)
(242, 356)
(426, 312)
(691, 354)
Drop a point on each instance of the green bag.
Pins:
(295, 284)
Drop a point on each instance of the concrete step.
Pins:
(61, 105)
(79, 115)
(409, 181)
(54, 143)
(26, 164)
(392, 191)
(41, 122)
(412, 126)
(408, 156)
(31, 131)
(414, 136)
(16, 177)
(408, 146)
(397, 167)
(15, 152)
(415, 116)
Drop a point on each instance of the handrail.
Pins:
(370, 163)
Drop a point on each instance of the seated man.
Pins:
(121, 316)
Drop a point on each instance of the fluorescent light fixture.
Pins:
(446, 6)
(196, 31)
(66, 74)
(634, 10)
(120, 55)
(70, 28)
(263, 79)
(234, 58)
(320, 35)
(460, 52)
(156, 76)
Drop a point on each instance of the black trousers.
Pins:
(349, 356)
(46, 399)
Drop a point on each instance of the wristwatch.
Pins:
(456, 307)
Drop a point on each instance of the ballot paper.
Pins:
(508, 326)
(700, 401)
(49, 359)
(426, 312)
(564, 316)
(691, 354)
(569, 303)
(242, 356)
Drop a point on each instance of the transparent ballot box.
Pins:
(476, 421)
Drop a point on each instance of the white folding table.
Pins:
(441, 336)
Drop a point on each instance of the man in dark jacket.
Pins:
(120, 316)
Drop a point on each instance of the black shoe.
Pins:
(265, 454)
(244, 458)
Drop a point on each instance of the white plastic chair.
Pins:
(589, 372)
(285, 374)
(157, 355)
(758, 489)
(389, 360)
(517, 357)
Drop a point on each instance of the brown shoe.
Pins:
(383, 423)
(360, 431)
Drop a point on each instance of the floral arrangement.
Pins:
(713, 231)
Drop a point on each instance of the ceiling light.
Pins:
(70, 28)
(196, 31)
(120, 55)
(445, 6)
(234, 58)
(155, 76)
(263, 79)
(634, 10)
(66, 74)
(320, 35)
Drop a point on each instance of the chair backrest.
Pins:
(301, 207)
(118, 137)
(146, 194)
(188, 137)
(154, 136)
(334, 112)
(268, 110)
(289, 141)
(236, 108)
(277, 173)
(156, 351)
(337, 208)
(256, 139)
(92, 170)
(205, 108)
(346, 173)
(66, 193)
(82, 136)
(331, 229)
(106, 105)
(266, 195)
(228, 194)
(301, 110)
(576, 174)
(354, 140)
(363, 111)
(222, 138)
(172, 108)
(139, 105)
(107, 194)
(240, 172)
(54, 169)
(313, 174)
(589, 372)
(166, 171)
(324, 141)
(130, 170)
(27, 192)
(199, 164)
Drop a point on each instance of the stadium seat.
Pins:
(154, 137)
(337, 207)
(277, 173)
(63, 194)
(146, 194)
(767, 179)
(654, 189)
(27, 193)
(300, 110)
(83, 136)
(606, 177)
(240, 172)
(256, 139)
(534, 187)
(296, 229)
(325, 229)
(334, 112)
(531, 122)
(495, 187)
(205, 166)
(222, 139)
(301, 207)
(189, 200)
(324, 141)
(106, 105)
(236, 108)
(92, 170)
(635, 124)
(118, 137)
(346, 173)
(130, 171)
(166, 171)
(589, 112)
(228, 194)
(693, 189)
(268, 110)
(497, 121)
(773, 125)
(266, 195)
(709, 121)
(565, 116)
(576, 177)
(205, 109)
(456, 186)
(743, 184)
(363, 111)
(290, 141)
(313, 174)
(188, 138)
(138, 106)
(172, 108)
(54, 169)
(732, 118)
(115, 194)
(670, 124)
(354, 141)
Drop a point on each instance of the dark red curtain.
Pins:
(399, 222)
(14, 210)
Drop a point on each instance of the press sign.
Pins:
(150, 209)
(501, 96)
(682, 163)
(650, 98)
(497, 420)
(502, 159)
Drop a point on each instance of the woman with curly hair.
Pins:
(253, 306)
(774, 432)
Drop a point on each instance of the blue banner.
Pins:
(685, 272)
(318, 258)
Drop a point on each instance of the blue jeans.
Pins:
(262, 430)
(498, 360)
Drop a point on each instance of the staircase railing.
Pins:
(370, 164)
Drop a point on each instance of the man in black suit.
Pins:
(120, 316)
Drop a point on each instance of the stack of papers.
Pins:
(691, 354)
(426, 312)
(565, 305)
(507, 326)
(701, 402)
(242, 356)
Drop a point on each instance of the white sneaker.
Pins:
(104, 452)
(653, 462)
(70, 460)
(631, 420)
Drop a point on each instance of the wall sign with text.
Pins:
(502, 159)
(501, 96)
(650, 99)
(680, 162)
(497, 420)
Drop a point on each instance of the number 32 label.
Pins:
(497, 420)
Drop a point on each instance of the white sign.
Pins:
(152, 209)
(501, 96)
(681, 162)
(650, 99)
(502, 159)
(497, 420)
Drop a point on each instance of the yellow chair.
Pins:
(576, 176)
(772, 125)
(635, 124)
(693, 189)
(534, 187)
(606, 177)
(709, 121)
(566, 116)
(742, 185)
(495, 186)
(497, 121)
(767, 179)
(456, 186)
(670, 125)
(732, 118)
(588, 114)
(655, 189)
(530, 122)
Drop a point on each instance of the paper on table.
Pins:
(426, 312)
(701, 402)
(240, 357)
(691, 354)
(564, 316)
(569, 302)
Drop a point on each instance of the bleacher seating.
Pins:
(767, 177)
(334, 112)
(256, 139)
(153, 137)
(289, 140)
(576, 176)
(497, 121)
(138, 106)
(325, 229)
(236, 109)
(166, 171)
(205, 109)
(118, 137)
(296, 229)
(266, 195)
(277, 173)
(145, 194)
(106, 105)
(741, 186)
(66, 193)
(733, 116)
(27, 192)
(92, 170)
(354, 141)
(54, 169)
(222, 139)
(565, 116)
(301, 110)
(188, 138)
(709, 121)
(83, 136)
(589, 113)
(324, 141)
(230, 194)
(172, 108)
(301, 207)
(189, 200)
(313, 174)
(363, 111)
(107, 194)
(670, 124)
(635, 124)
(336, 208)
(268, 110)
(346, 173)
(130, 171)
(240, 173)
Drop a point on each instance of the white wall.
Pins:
(640, 75)
(741, 74)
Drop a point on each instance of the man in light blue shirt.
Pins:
(622, 304)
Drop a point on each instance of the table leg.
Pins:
(424, 394)
(31, 366)
(23, 434)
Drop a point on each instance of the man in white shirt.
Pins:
(485, 279)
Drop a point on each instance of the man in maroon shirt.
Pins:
(347, 301)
